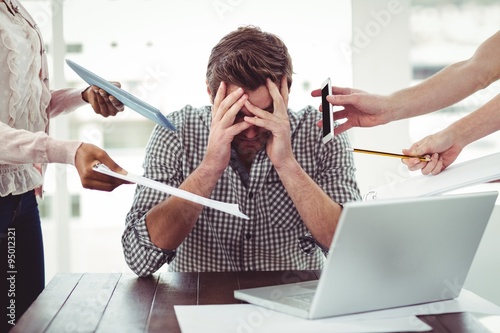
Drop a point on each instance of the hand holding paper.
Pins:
(222, 206)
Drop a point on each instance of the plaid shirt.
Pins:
(275, 237)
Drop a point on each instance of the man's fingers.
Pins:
(219, 97)
(279, 103)
(229, 104)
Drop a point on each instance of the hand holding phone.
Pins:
(326, 89)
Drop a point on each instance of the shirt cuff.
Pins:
(170, 255)
(308, 245)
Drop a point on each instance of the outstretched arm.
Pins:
(445, 88)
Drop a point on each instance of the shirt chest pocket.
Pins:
(279, 208)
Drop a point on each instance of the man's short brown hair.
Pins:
(246, 57)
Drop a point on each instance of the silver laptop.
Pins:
(386, 254)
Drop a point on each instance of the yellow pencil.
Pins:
(381, 153)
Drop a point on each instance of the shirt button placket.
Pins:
(248, 232)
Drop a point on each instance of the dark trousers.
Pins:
(22, 264)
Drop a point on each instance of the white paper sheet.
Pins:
(222, 206)
(250, 318)
(247, 318)
(475, 171)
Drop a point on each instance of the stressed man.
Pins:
(246, 148)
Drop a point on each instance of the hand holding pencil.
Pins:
(443, 147)
(431, 154)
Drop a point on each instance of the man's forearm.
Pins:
(445, 88)
(318, 211)
(477, 124)
(452, 84)
(172, 220)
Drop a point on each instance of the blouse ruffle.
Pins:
(11, 63)
(18, 179)
(25, 110)
(25, 104)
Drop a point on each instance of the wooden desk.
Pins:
(125, 303)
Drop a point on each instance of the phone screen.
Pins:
(326, 89)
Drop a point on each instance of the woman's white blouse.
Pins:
(26, 104)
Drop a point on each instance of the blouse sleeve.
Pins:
(21, 146)
(65, 101)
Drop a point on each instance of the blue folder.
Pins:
(126, 98)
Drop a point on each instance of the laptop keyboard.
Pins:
(307, 298)
(302, 301)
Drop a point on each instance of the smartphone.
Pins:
(326, 89)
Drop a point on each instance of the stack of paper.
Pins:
(479, 170)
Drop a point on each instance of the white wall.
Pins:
(380, 64)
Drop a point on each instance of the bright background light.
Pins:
(158, 50)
